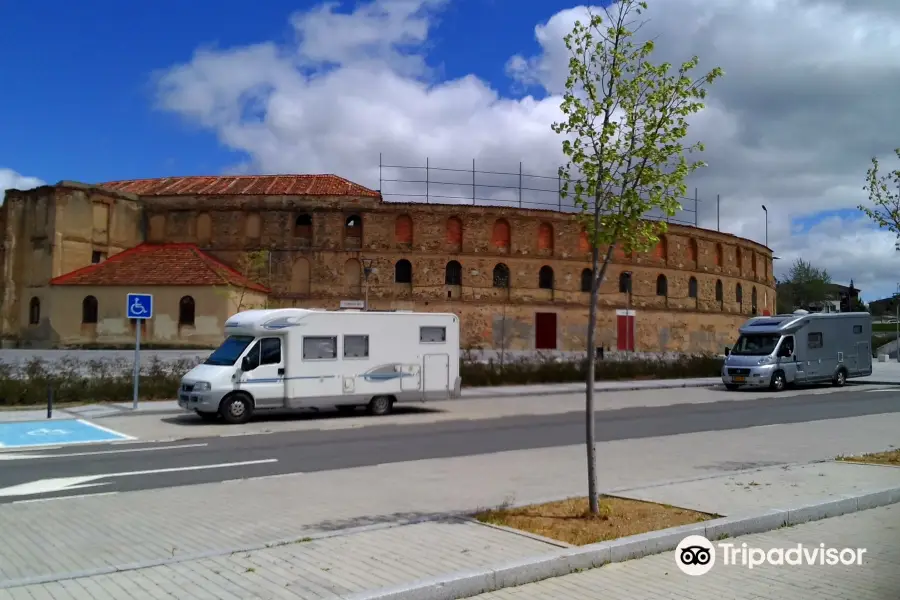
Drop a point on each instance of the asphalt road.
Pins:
(130, 467)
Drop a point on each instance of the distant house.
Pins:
(841, 298)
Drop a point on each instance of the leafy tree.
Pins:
(253, 265)
(806, 285)
(884, 196)
(625, 124)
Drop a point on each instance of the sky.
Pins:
(127, 90)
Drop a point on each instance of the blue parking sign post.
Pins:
(140, 308)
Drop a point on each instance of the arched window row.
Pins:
(90, 311)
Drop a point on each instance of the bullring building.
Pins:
(517, 278)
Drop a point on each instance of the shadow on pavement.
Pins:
(307, 415)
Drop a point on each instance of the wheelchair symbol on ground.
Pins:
(44, 431)
(139, 306)
(24, 434)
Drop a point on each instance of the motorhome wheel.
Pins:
(380, 405)
(778, 381)
(840, 378)
(236, 409)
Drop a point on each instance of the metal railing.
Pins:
(442, 185)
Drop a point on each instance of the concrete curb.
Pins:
(563, 562)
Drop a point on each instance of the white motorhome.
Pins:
(294, 358)
(800, 348)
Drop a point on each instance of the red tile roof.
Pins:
(158, 264)
(243, 185)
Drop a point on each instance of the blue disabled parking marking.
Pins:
(55, 433)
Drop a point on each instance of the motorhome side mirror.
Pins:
(245, 364)
(727, 350)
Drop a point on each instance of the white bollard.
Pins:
(882, 357)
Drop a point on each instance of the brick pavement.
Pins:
(658, 578)
(93, 532)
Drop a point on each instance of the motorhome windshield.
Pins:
(230, 350)
(756, 344)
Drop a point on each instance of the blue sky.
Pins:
(79, 101)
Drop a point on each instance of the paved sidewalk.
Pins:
(658, 578)
(372, 559)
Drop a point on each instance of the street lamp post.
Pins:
(367, 270)
(766, 210)
(897, 321)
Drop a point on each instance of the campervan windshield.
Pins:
(756, 344)
(230, 350)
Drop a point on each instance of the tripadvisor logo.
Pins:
(696, 555)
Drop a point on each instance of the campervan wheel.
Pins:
(840, 378)
(778, 382)
(381, 405)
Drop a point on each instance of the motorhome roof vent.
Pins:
(800, 311)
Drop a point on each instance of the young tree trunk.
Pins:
(589, 393)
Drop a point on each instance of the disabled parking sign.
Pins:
(139, 306)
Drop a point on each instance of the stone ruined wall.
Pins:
(321, 246)
(51, 230)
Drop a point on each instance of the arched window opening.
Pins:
(545, 278)
(403, 230)
(720, 292)
(353, 231)
(303, 227)
(501, 276)
(453, 273)
(662, 286)
(753, 305)
(89, 310)
(501, 235)
(34, 311)
(186, 311)
(692, 287)
(624, 282)
(403, 271)
(587, 280)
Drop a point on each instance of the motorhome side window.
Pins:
(270, 351)
(432, 335)
(857, 329)
(319, 347)
(814, 340)
(356, 346)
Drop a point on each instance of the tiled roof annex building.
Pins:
(208, 246)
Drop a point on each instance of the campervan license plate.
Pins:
(740, 379)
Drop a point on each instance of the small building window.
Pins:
(739, 294)
(356, 346)
(97, 257)
(624, 282)
(453, 273)
(814, 340)
(303, 227)
(587, 280)
(720, 292)
(662, 286)
(692, 287)
(545, 278)
(753, 306)
(432, 335)
(403, 271)
(89, 310)
(319, 348)
(34, 311)
(186, 311)
(501, 276)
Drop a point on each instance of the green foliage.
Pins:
(79, 382)
(89, 382)
(805, 285)
(884, 197)
(626, 119)
(553, 370)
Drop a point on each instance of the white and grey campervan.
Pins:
(293, 358)
(802, 348)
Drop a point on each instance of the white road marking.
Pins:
(32, 500)
(25, 456)
(883, 390)
(61, 484)
(107, 430)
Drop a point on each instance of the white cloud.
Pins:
(10, 180)
(808, 97)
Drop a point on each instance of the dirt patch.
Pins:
(891, 457)
(570, 520)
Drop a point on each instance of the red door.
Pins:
(545, 331)
(625, 330)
